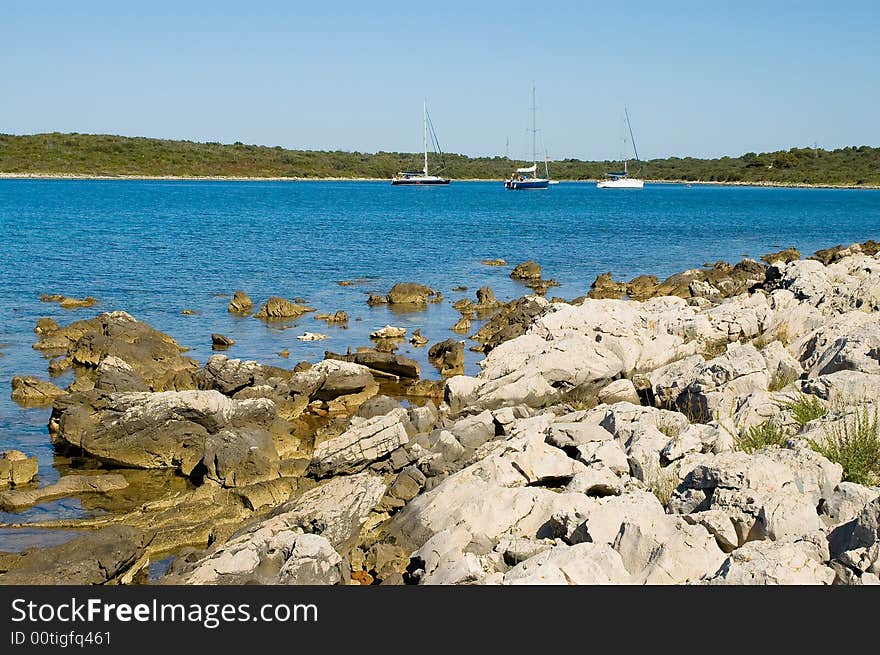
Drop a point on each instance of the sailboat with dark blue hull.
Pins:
(526, 178)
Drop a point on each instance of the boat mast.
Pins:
(534, 128)
(425, 112)
(632, 138)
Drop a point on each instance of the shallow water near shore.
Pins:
(154, 248)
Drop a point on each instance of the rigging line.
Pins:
(632, 140)
(435, 142)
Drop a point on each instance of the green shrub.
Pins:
(854, 443)
(760, 436)
(804, 408)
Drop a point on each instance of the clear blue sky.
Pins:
(699, 78)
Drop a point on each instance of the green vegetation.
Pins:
(854, 443)
(804, 408)
(760, 436)
(92, 154)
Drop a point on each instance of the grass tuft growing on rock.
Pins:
(668, 427)
(780, 381)
(854, 443)
(804, 408)
(663, 487)
(761, 436)
(578, 398)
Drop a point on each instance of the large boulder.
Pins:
(771, 563)
(167, 429)
(282, 547)
(772, 494)
(856, 545)
(331, 378)
(383, 362)
(448, 356)
(585, 563)
(362, 444)
(155, 357)
(722, 380)
(510, 321)
(237, 457)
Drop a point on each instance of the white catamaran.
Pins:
(621, 179)
(422, 178)
(526, 178)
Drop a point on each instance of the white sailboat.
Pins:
(621, 179)
(422, 177)
(526, 178)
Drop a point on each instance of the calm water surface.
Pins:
(154, 248)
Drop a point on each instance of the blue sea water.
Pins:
(153, 248)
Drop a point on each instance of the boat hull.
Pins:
(414, 181)
(526, 185)
(625, 183)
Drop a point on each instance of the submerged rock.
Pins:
(105, 556)
(69, 485)
(32, 392)
(69, 303)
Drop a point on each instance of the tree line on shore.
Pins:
(96, 154)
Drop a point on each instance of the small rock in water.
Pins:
(34, 392)
(334, 318)
(376, 299)
(46, 325)
(493, 262)
(312, 336)
(411, 293)
(448, 356)
(220, 342)
(17, 468)
(67, 302)
(463, 325)
(284, 353)
(277, 307)
(459, 288)
(604, 287)
(388, 332)
(526, 271)
(241, 303)
(417, 339)
(188, 312)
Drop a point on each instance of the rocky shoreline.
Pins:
(716, 427)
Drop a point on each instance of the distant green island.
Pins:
(107, 155)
